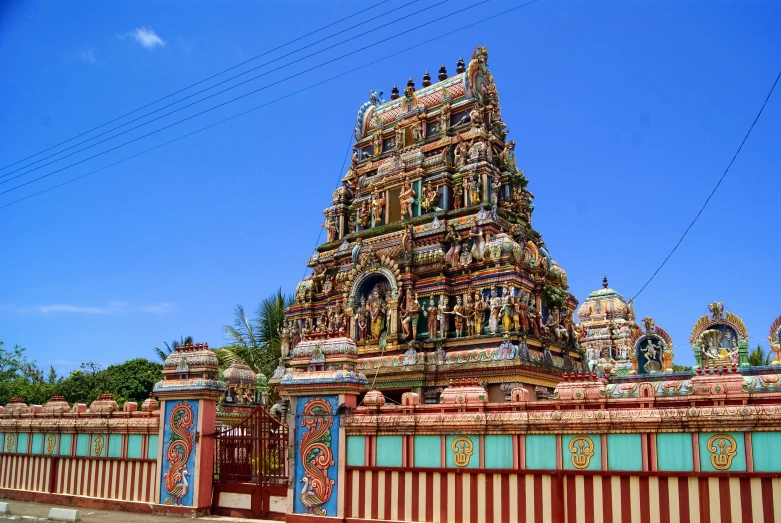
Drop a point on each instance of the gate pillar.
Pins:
(188, 397)
(317, 400)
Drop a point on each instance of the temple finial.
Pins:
(426, 79)
(460, 65)
(394, 92)
(442, 73)
(604, 282)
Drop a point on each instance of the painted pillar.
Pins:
(317, 453)
(188, 396)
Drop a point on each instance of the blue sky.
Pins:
(625, 115)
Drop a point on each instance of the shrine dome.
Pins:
(239, 373)
(602, 304)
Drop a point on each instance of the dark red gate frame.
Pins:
(251, 458)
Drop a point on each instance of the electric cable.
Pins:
(713, 191)
(209, 96)
(312, 86)
(211, 77)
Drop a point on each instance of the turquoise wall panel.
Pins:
(65, 444)
(356, 446)
(21, 443)
(462, 451)
(674, 452)
(541, 451)
(37, 445)
(82, 444)
(765, 446)
(151, 450)
(134, 444)
(115, 446)
(624, 452)
(388, 451)
(581, 452)
(428, 451)
(498, 451)
(2, 442)
(723, 449)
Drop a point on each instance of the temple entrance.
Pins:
(250, 467)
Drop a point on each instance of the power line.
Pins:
(213, 94)
(209, 78)
(212, 108)
(714, 189)
(312, 86)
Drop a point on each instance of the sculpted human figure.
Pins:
(452, 255)
(469, 315)
(495, 303)
(430, 198)
(377, 142)
(406, 199)
(507, 309)
(478, 243)
(411, 316)
(479, 312)
(606, 364)
(466, 257)
(443, 317)
(458, 317)
(378, 207)
(432, 316)
(376, 313)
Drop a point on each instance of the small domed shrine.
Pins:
(431, 266)
(612, 339)
(720, 338)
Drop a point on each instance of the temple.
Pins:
(431, 269)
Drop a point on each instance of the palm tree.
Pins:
(183, 341)
(757, 357)
(256, 341)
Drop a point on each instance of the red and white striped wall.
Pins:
(114, 479)
(436, 495)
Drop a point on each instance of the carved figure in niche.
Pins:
(376, 306)
(444, 118)
(506, 349)
(478, 243)
(419, 128)
(295, 334)
(442, 316)
(399, 138)
(430, 198)
(474, 196)
(377, 142)
(466, 257)
(331, 228)
(507, 157)
(507, 309)
(458, 316)
(410, 99)
(355, 158)
(495, 303)
(406, 199)
(717, 310)
(460, 154)
(534, 319)
(364, 213)
(479, 312)
(284, 338)
(410, 356)
(432, 317)
(452, 255)
(522, 305)
(476, 116)
(378, 206)
(496, 187)
(469, 318)
(458, 193)
(407, 243)
(523, 348)
(411, 316)
(318, 278)
(466, 183)
(388, 311)
(606, 364)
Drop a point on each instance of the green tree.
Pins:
(680, 368)
(183, 341)
(256, 341)
(758, 357)
(22, 377)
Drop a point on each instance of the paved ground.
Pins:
(38, 512)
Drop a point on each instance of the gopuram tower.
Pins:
(431, 269)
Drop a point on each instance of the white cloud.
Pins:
(112, 308)
(145, 36)
(88, 56)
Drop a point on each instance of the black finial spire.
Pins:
(411, 83)
(442, 73)
(604, 282)
(394, 92)
(426, 79)
(460, 65)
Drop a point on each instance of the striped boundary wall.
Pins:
(433, 495)
(105, 478)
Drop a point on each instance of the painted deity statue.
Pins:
(479, 312)
(458, 316)
(362, 317)
(478, 244)
(376, 304)
(469, 318)
(432, 316)
(507, 309)
(443, 317)
(606, 364)
(406, 199)
(495, 304)
(378, 207)
(522, 306)
(411, 316)
(452, 255)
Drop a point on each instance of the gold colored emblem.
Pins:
(462, 451)
(9, 443)
(723, 448)
(98, 444)
(51, 441)
(582, 449)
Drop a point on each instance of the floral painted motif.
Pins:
(316, 456)
(180, 445)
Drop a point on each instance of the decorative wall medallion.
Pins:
(316, 456)
(9, 443)
(582, 449)
(97, 445)
(180, 445)
(723, 448)
(51, 442)
(462, 451)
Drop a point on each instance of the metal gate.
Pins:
(250, 466)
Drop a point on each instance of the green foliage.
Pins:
(129, 381)
(758, 357)
(553, 296)
(680, 368)
(256, 341)
(184, 341)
